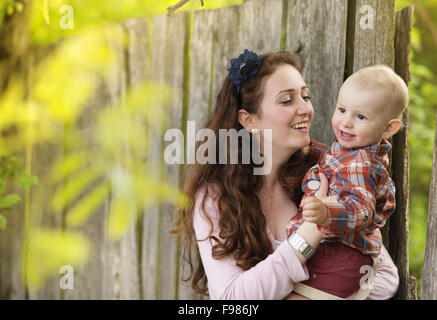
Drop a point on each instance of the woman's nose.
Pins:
(304, 108)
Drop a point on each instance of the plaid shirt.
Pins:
(364, 190)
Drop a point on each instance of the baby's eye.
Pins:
(342, 110)
(361, 117)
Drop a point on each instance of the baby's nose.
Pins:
(347, 123)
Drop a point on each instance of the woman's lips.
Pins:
(302, 130)
(302, 127)
(345, 136)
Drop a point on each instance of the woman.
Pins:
(236, 221)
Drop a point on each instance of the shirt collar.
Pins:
(377, 150)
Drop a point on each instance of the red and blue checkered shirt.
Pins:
(365, 194)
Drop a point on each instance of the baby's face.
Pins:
(359, 119)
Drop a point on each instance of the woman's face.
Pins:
(286, 109)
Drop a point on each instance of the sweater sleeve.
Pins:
(386, 281)
(272, 278)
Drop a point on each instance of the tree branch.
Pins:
(176, 6)
(173, 8)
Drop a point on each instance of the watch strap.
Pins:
(301, 245)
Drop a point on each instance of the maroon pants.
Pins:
(335, 268)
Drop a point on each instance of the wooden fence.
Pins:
(191, 53)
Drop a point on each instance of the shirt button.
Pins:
(316, 170)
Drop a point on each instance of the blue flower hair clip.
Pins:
(244, 68)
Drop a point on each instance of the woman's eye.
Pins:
(361, 117)
(286, 101)
(307, 98)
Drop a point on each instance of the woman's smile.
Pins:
(302, 127)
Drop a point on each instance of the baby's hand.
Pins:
(314, 210)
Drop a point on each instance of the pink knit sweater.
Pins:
(274, 277)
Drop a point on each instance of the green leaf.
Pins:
(121, 216)
(10, 9)
(19, 7)
(74, 188)
(66, 166)
(27, 181)
(86, 206)
(46, 11)
(2, 222)
(8, 201)
(49, 250)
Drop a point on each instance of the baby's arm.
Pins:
(356, 201)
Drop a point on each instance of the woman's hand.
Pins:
(309, 230)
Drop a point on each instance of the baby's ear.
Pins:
(391, 128)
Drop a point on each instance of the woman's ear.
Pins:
(392, 127)
(247, 120)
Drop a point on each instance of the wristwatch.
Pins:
(301, 245)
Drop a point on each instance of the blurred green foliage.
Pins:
(422, 113)
(46, 13)
(104, 149)
(50, 249)
(12, 169)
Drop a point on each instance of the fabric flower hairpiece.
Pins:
(244, 68)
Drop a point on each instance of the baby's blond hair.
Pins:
(382, 77)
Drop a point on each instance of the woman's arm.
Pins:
(272, 278)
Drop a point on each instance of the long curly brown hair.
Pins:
(241, 221)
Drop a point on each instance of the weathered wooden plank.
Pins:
(42, 216)
(254, 25)
(11, 246)
(121, 268)
(400, 162)
(94, 229)
(316, 31)
(226, 46)
(150, 222)
(89, 278)
(138, 64)
(40, 159)
(429, 274)
(138, 49)
(201, 68)
(176, 38)
(371, 31)
(370, 40)
(200, 98)
(121, 274)
(113, 264)
(259, 27)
